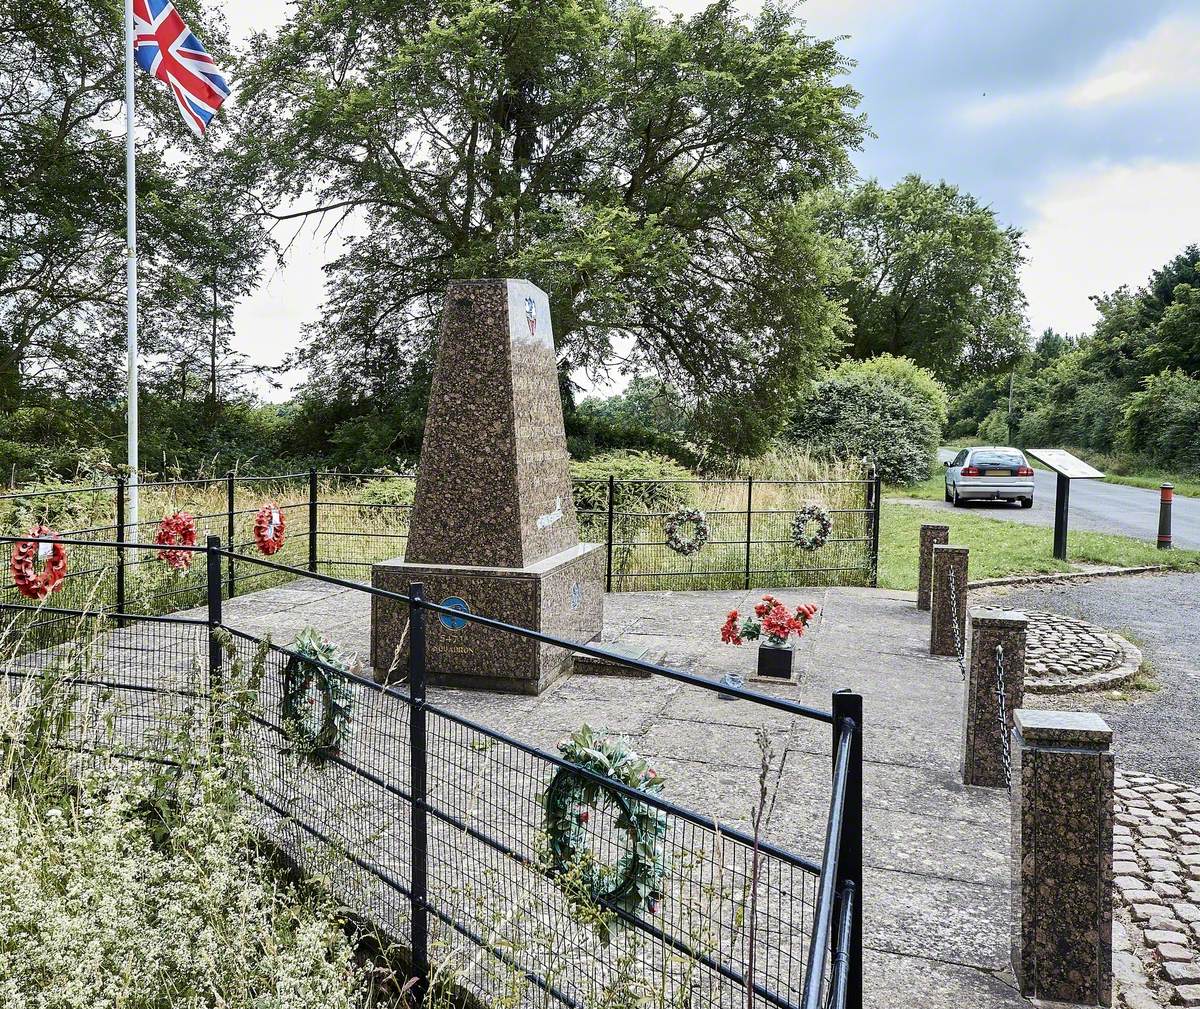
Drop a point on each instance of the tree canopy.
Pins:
(62, 226)
(933, 276)
(1132, 384)
(646, 171)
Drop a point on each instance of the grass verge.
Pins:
(1184, 486)
(1000, 548)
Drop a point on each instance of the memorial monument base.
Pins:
(562, 595)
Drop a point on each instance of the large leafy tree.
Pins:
(647, 172)
(933, 276)
(62, 218)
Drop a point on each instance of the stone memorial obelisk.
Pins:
(493, 527)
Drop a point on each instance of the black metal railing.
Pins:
(343, 523)
(430, 824)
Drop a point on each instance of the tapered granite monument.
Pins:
(493, 527)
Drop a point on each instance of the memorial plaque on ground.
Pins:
(493, 527)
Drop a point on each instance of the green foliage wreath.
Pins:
(678, 540)
(808, 514)
(633, 881)
(316, 702)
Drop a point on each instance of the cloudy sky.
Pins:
(1077, 121)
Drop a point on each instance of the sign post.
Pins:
(1068, 468)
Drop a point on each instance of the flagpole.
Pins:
(131, 274)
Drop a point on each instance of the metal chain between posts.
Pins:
(959, 648)
(1002, 710)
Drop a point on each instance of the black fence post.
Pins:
(749, 523)
(120, 522)
(419, 869)
(876, 513)
(312, 520)
(230, 488)
(212, 558)
(612, 494)
(848, 717)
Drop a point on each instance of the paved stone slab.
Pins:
(936, 892)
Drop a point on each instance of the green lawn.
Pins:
(933, 489)
(1000, 548)
(1184, 486)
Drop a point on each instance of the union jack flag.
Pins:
(166, 48)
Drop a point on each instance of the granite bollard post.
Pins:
(948, 625)
(1061, 862)
(930, 534)
(985, 728)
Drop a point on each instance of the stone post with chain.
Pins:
(948, 626)
(995, 687)
(930, 535)
(1061, 856)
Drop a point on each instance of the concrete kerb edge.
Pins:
(1068, 576)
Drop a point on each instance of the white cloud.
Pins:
(1101, 227)
(1164, 61)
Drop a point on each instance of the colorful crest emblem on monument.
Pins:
(531, 316)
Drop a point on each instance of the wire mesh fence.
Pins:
(343, 523)
(751, 528)
(435, 827)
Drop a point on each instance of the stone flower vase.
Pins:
(775, 661)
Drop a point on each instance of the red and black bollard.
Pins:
(1164, 516)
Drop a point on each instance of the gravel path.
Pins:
(1155, 732)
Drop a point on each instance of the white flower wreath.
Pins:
(675, 525)
(804, 515)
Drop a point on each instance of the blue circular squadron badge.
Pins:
(450, 622)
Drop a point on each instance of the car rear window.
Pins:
(1001, 459)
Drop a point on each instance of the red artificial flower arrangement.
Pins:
(269, 526)
(27, 555)
(177, 530)
(772, 620)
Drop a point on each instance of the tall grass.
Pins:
(138, 882)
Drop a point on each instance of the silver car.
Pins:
(989, 474)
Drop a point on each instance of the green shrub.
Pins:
(665, 493)
(885, 414)
(903, 374)
(397, 491)
(994, 428)
(1162, 420)
(41, 503)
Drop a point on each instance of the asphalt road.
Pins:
(1096, 506)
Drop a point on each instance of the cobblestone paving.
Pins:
(1065, 654)
(1156, 867)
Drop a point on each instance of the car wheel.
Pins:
(948, 492)
(1027, 502)
(956, 500)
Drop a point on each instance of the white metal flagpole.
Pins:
(131, 339)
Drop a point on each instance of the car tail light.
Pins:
(1024, 471)
(970, 471)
